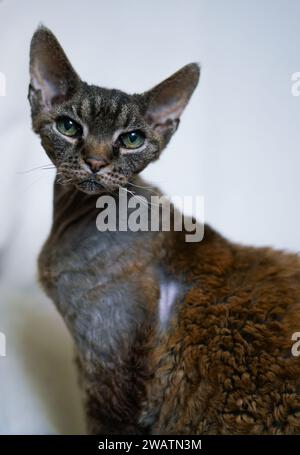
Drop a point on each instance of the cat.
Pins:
(172, 337)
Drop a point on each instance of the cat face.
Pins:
(99, 139)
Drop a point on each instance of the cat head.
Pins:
(98, 138)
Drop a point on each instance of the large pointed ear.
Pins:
(167, 100)
(52, 78)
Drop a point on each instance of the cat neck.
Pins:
(123, 312)
(71, 205)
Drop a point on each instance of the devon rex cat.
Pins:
(171, 337)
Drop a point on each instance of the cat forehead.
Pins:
(108, 106)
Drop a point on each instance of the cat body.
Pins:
(171, 337)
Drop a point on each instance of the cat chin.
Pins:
(91, 187)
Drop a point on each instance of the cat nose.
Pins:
(95, 164)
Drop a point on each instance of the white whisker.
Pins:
(142, 200)
(44, 167)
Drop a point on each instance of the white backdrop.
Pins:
(238, 145)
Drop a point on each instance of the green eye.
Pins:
(68, 127)
(133, 139)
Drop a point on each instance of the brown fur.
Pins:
(226, 366)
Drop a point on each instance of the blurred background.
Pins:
(237, 145)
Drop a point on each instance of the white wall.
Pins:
(238, 143)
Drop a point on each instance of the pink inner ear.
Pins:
(49, 91)
(161, 114)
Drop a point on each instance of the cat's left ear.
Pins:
(166, 101)
(52, 77)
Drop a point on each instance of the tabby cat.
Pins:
(171, 336)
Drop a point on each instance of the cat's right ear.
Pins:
(52, 77)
